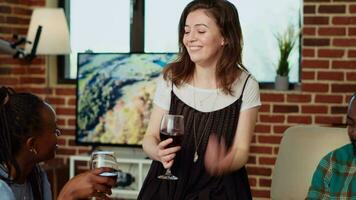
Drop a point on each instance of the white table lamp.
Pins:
(54, 37)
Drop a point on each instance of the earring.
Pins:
(33, 150)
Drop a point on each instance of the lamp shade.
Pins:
(54, 38)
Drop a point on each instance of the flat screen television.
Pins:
(115, 96)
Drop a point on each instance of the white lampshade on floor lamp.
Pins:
(49, 27)
(54, 37)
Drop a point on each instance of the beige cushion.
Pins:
(300, 151)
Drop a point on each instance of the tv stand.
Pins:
(137, 166)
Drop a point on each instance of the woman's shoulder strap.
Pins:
(243, 89)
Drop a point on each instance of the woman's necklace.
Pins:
(196, 142)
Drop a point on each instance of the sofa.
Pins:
(300, 151)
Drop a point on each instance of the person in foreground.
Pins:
(28, 136)
(335, 176)
(219, 100)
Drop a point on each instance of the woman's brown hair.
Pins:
(229, 66)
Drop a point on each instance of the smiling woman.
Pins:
(219, 100)
(202, 39)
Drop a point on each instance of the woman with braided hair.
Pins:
(28, 136)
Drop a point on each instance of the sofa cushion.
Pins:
(300, 151)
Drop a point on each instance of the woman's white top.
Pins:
(207, 100)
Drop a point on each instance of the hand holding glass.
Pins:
(172, 126)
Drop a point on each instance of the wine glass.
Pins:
(172, 126)
(105, 159)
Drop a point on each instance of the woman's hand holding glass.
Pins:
(171, 135)
(166, 154)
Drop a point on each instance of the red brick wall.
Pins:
(328, 78)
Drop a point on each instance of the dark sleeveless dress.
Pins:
(194, 182)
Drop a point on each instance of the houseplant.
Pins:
(286, 42)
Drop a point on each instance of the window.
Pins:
(109, 26)
(162, 24)
(98, 26)
(259, 25)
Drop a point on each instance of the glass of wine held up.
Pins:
(105, 159)
(172, 126)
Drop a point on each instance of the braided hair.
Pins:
(18, 122)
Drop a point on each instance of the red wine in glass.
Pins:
(172, 126)
(175, 135)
